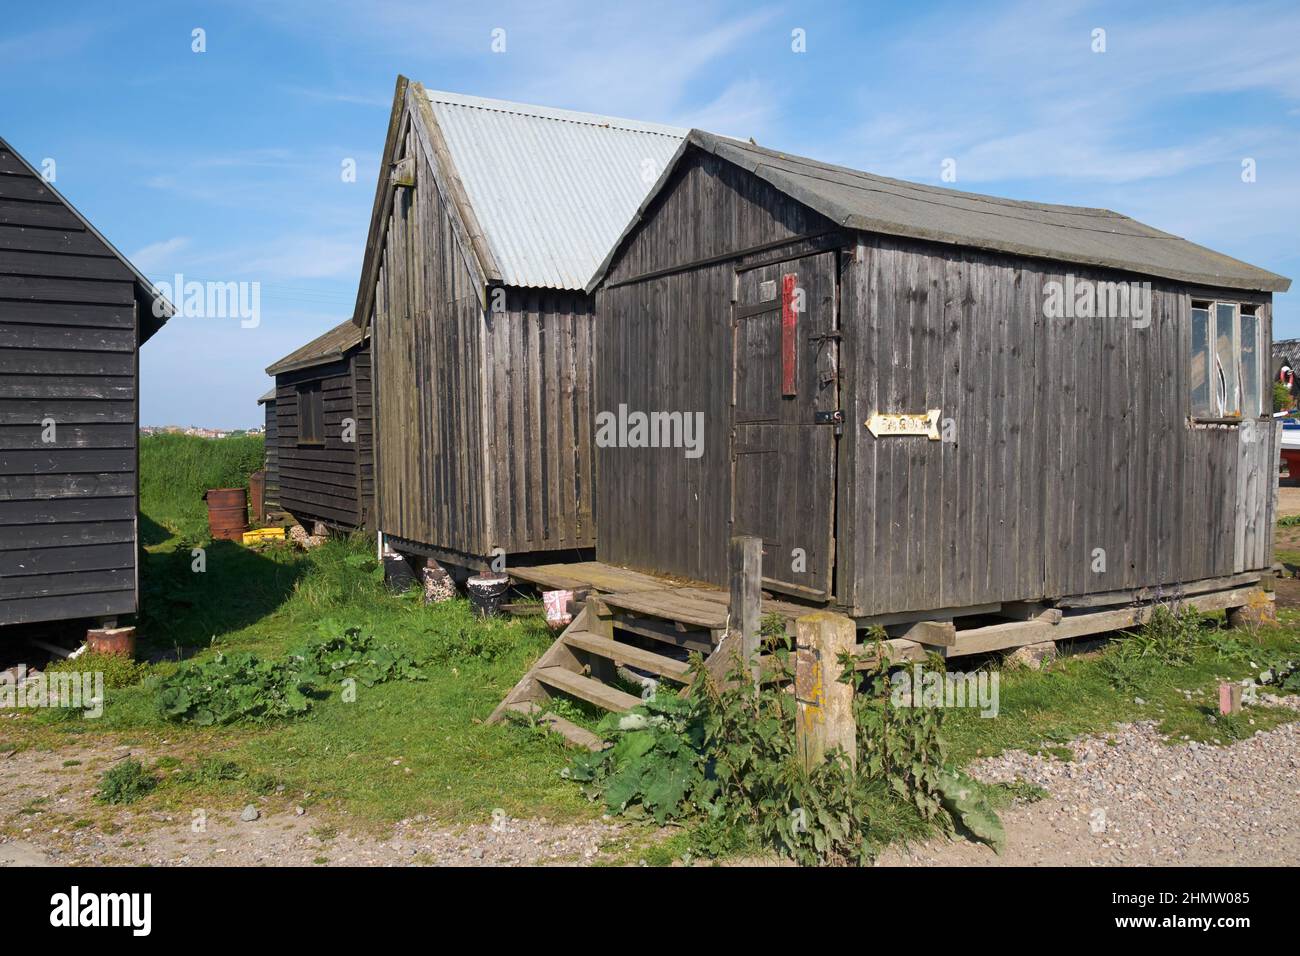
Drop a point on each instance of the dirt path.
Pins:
(48, 816)
(1128, 798)
(1131, 798)
(1288, 497)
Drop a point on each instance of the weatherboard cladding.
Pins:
(271, 494)
(552, 189)
(331, 481)
(73, 313)
(892, 207)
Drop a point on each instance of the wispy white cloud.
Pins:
(159, 256)
(65, 38)
(744, 109)
(337, 96)
(285, 257)
(1022, 95)
(659, 64)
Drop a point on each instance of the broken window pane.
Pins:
(1228, 389)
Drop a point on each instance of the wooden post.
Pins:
(745, 612)
(824, 704)
(600, 621)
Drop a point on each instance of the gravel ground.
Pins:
(1128, 798)
(1131, 798)
(43, 801)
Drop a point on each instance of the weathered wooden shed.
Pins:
(489, 220)
(925, 400)
(324, 431)
(270, 431)
(73, 315)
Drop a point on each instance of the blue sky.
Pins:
(226, 165)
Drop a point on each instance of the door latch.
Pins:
(835, 418)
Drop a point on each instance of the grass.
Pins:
(1078, 695)
(175, 470)
(405, 749)
(400, 750)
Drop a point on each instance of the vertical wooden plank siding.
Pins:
(1072, 468)
(539, 419)
(1072, 441)
(363, 411)
(665, 344)
(482, 435)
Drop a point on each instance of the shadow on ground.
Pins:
(197, 590)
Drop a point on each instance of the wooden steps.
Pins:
(582, 664)
(584, 688)
(578, 736)
(627, 623)
(621, 653)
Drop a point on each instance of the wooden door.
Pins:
(785, 420)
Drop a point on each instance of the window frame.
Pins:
(1217, 412)
(316, 407)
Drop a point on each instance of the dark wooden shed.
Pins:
(270, 431)
(321, 458)
(489, 220)
(925, 400)
(73, 315)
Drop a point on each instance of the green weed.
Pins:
(118, 671)
(127, 782)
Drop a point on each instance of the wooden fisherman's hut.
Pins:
(490, 219)
(73, 315)
(320, 432)
(924, 400)
(976, 423)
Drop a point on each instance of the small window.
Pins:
(1252, 385)
(311, 415)
(1200, 371)
(1224, 377)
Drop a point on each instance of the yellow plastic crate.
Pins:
(263, 534)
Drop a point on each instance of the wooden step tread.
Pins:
(658, 629)
(578, 736)
(592, 691)
(622, 653)
(670, 606)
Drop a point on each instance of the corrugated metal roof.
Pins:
(320, 350)
(1071, 234)
(552, 189)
